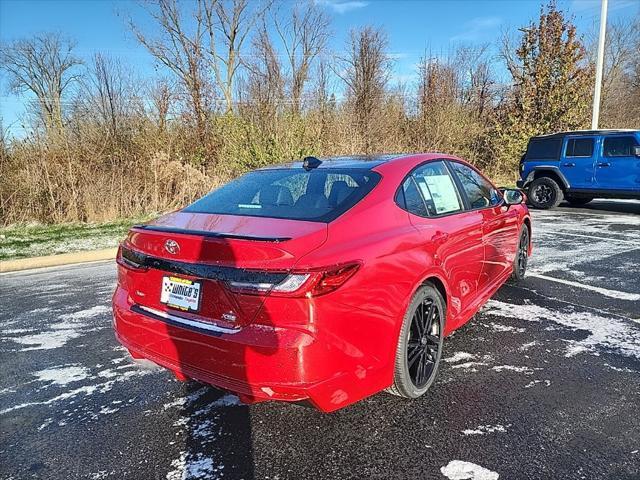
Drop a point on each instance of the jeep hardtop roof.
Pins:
(588, 132)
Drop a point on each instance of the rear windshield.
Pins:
(319, 195)
(544, 148)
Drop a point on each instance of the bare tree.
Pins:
(265, 82)
(43, 65)
(109, 94)
(228, 23)
(161, 95)
(304, 36)
(366, 71)
(182, 50)
(621, 98)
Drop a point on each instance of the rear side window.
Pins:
(579, 147)
(619, 146)
(412, 199)
(544, 148)
(317, 195)
(478, 189)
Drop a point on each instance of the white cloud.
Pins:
(476, 27)
(341, 7)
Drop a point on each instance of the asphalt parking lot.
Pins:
(543, 384)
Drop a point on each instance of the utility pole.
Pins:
(599, 66)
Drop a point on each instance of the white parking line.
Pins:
(591, 237)
(602, 291)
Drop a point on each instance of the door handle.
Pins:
(569, 164)
(440, 237)
(604, 164)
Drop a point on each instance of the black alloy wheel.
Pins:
(522, 255)
(420, 344)
(423, 345)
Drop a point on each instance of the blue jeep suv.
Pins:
(580, 166)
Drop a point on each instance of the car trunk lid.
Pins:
(213, 250)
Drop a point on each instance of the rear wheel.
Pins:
(522, 255)
(545, 193)
(420, 344)
(579, 200)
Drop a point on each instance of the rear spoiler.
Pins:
(204, 233)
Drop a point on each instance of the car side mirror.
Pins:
(513, 197)
(636, 151)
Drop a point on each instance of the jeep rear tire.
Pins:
(545, 193)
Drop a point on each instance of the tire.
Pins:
(522, 255)
(545, 193)
(578, 201)
(418, 355)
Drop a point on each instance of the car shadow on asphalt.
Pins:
(217, 425)
(605, 206)
(217, 439)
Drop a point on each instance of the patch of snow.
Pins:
(484, 429)
(104, 410)
(59, 333)
(62, 375)
(526, 346)
(188, 466)
(469, 365)
(99, 475)
(513, 368)
(46, 340)
(460, 470)
(85, 390)
(504, 328)
(459, 356)
(620, 369)
(228, 400)
(532, 383)
(574, 350)
(612, 333)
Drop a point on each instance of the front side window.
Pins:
(478, 189)
(579, 147)
(619, 146)
(319, 195)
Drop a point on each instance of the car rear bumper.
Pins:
(259, 362)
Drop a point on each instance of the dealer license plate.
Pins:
(180, 293)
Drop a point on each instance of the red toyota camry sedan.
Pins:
(323, 281)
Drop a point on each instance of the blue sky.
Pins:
(413, 26)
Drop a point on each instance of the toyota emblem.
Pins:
(172, 247)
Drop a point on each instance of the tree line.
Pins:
(241, 85)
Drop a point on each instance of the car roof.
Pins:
(588, 132)
(365, 162)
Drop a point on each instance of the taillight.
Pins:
(130, 259)
(331, 279)
(311, 283)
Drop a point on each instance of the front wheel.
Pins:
(522, 255)
(545, 193)
(420, 344)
